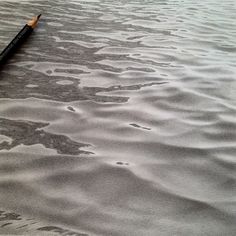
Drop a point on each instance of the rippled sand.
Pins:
(118, 118)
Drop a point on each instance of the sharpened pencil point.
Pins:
(32, 23)
(18, 40)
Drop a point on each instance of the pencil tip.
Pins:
(39, 16)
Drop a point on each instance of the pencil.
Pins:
(18, 40)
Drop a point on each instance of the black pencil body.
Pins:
(15, 43)
(18, 40)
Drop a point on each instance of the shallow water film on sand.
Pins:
(117, 118)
